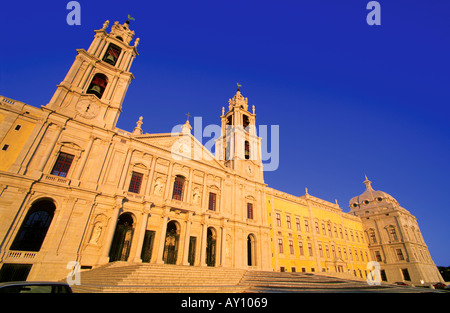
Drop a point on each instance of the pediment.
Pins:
(182, 147)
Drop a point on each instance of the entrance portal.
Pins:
(171, 244)
(120, 248)
(251, 251)
(211, 247)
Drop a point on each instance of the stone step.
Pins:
(126, 277)
(152, 278)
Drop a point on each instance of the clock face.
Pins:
(87, 109)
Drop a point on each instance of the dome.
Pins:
(370, 196)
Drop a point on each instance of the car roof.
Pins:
(28, 283)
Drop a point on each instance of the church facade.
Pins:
(75, 188)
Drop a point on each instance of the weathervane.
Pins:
(131, 18)
(239, 86)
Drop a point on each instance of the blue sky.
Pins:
(350, 99)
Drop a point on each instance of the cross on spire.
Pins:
(188, 116)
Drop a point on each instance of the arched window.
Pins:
(178, 188)
(34, 228)
(112, 54)
(98, 85)
(245, 122)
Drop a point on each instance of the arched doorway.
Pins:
(171, 243)
(120, 248)
(251, 250)
(34, 227)
(211, 247)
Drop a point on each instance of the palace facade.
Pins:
(74, 187)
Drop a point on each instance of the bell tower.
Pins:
(95, 86)
(239, 147)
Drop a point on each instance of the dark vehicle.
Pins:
(400, 283)
(34, 287)
(439, 285)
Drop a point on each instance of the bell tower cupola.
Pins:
(239, 147)
(95, 86)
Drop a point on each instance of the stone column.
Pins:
(141, 235)
(187, 239)
(48, 152)
(125, 170)
(203, 244)
(162, 238)
(169, 183)
(148, 187)
(82, 163)
(111, 229)
(223, 239)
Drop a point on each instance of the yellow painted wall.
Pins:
(15, 139)
(306, 210)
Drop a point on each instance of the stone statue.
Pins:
(96, 233)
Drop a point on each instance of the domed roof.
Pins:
(371, 196)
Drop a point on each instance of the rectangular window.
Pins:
(310, 250)
(178, 184)
(306, 226)
(288, 221)
(278, 216)
(62, 164)
(212, 202)
(300, 248)
(280, 246)
(400, 254)
(377, 256)
(5, 147)
(291, 246)
(250, 211)
(297, 222)
(135, 182)
(383, 275)
(406, 274)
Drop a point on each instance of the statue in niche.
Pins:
(96, 233)
(228, 247)
(158, 189)
(196, 196)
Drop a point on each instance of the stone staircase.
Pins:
(145, 278)
(258, 281)
(122, 277)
